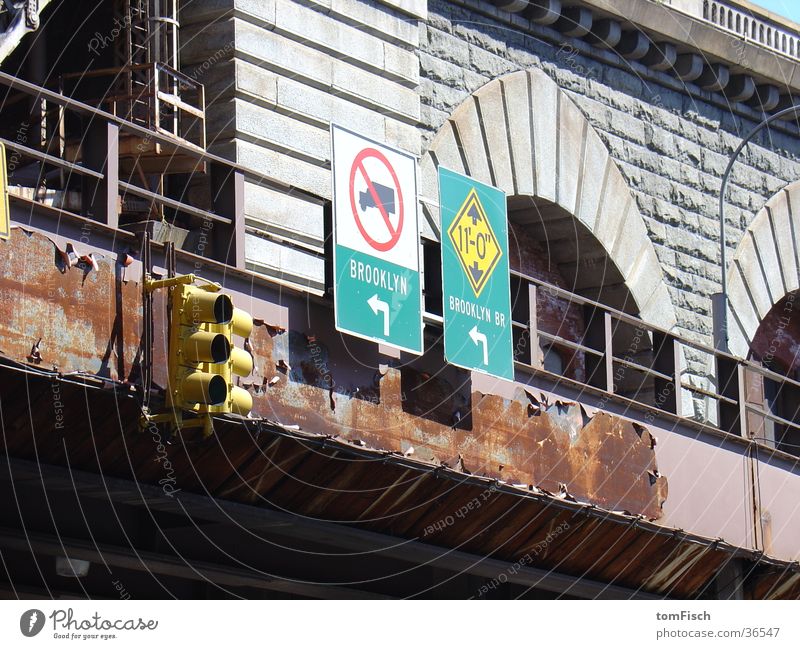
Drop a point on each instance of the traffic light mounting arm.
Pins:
(151, 284)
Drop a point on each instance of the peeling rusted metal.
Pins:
(75, 317)
(603, 460)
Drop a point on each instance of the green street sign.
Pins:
(377, 287)
(476, 287)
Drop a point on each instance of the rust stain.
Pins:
(604, 460)
(90, 321)
(79, 319)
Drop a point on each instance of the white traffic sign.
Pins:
(377, 287)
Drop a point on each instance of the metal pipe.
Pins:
(722, 343)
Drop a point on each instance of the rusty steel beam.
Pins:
(129, 558)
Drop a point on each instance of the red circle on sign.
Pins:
(394, 234)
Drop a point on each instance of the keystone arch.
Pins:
(522, 133)
(764, 268)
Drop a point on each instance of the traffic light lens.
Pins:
(204, 307)
(223, 309)
(217, 390)
(220, 349)
(206, 347)
(205, 388)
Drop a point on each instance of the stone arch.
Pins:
(764, 268)
(522, 133)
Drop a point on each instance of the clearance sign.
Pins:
(5, 218)
(476, 287)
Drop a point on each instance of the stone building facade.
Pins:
(607, 123)
(399, 72)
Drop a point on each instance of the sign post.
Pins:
(476, 288)
(377, 286)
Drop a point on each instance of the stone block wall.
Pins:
(394, 70)
(672, 144)
(290, 70)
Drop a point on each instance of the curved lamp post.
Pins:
(720, 300)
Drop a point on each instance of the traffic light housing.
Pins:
(203, 359)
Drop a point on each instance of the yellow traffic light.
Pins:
(203, 358)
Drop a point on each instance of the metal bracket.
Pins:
(177, 422)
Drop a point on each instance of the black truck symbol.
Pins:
(385, 196)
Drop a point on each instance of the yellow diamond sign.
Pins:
(475, 242)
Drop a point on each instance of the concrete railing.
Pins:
(735, 19)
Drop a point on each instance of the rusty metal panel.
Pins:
(64, 310)
(75, 318)
(306, 380)
(603, 459)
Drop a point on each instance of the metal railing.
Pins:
(152, 95)
(625, 357)
(105, 165)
